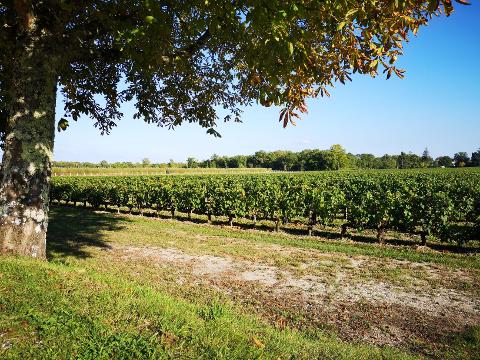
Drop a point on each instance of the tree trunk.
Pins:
(423, 236)
(311, 223)
(381, 235)
(28, 146)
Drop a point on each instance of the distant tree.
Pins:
(146, 162)
(222, 162)
(263, 159)
(103, 163)
(283, 160)
(338, 158)
(251, 161)
(314, 159)
(387, 162)
(238, 161)
(213, 161)
(409, 161)
(475, 160)
(444, 161)
(192, 162)
(401, 160)
(461, 159)
(427, 160)
(352, 161)
(366, 161)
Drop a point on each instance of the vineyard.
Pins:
(444, 204)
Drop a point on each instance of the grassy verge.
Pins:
(56, 311)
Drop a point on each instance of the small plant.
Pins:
(212, 311)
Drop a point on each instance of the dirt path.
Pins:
(416, 316)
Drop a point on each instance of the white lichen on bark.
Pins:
(28, 147)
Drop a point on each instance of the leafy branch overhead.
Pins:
(183, 61)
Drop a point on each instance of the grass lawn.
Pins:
(131, 287)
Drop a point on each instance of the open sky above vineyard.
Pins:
(437, 106)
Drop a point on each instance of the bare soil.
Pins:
(347, 294)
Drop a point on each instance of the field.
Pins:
(252, 266)
(88, 171)
(125, 286)
(441, 204)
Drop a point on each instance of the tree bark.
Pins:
(381, 235)
(311, 223)
(423, 236)
(28, 146)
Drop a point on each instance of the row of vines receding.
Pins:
(442, 204)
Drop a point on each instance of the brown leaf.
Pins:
(168, 339)
(258, 343)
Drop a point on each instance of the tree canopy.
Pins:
(183, 60)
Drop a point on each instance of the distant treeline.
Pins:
(334, 158)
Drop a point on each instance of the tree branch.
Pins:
(197, 45)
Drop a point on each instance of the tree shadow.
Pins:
(71, 231)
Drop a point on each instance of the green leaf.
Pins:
(62, 125)
(341, 25)
(290, 48)
(213, 132)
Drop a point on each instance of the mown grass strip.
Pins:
(53, 311)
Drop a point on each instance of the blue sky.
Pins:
(436, 106)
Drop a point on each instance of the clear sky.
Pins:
(436, 106)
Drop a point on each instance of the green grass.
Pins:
(54, 311)
(251, 237)
(87, 304)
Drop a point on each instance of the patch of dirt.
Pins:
(416, 317)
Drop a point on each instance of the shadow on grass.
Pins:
(86, 223)
(72, 230)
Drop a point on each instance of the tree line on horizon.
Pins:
(334, 158)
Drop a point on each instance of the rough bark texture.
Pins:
(424, 238)
(28, 148)
(277, 224)
(381, 235)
